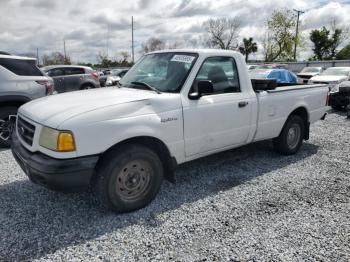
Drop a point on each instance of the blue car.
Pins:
(281, 75)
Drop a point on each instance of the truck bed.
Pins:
(274, 106)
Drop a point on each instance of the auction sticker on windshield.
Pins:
(183, 59)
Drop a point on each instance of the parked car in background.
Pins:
(340, 97)
(114, 77)
(71, 78)
(332, 76)
(186, 104)
(254, 67)
(20, 81)
(277, 66)
(281, 75)
(308, 72)
(106, 72)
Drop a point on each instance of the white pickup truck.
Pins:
(170, 108)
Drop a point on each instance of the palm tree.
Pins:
(248, 47)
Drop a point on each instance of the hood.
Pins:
(308, 74)
(52, 111)
(328, 78)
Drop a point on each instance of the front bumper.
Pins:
(338, 100)
(58, 174)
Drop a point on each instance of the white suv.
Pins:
(20, 81)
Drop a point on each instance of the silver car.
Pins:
(20, 81)
(71, 77)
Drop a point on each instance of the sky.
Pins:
(90, 26)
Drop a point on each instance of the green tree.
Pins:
(344, 53)
(103, 59)
(325, 43)
(56, 58)
(248, 47)
(279, 44)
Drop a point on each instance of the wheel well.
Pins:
(302, 112)
(12, 103)
(87, 84)
(169, 162)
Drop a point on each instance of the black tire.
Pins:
(122, 174)
(5, 122)
(87, 86)
(286, 143)
(337, 107)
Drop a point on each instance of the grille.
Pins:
(305, 76)
(25, 130)
(317, 82)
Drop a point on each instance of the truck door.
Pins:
(220, 119)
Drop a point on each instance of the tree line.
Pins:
(277, 45)
(223, 33)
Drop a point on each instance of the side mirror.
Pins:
(203, 87)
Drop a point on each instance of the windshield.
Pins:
(165, 72)
(333, 71)
(311, 70)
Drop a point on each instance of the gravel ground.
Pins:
(248, 204)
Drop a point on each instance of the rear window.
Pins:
(21, 67)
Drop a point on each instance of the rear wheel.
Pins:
(291, 137)
(128, 178)
(87, 86)
(7, 125)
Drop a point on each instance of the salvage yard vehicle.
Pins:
(308, 72)
(280, 75)
(20, 81)
(170, 108)
(114, 77)
(72, 78)
(332, 76)
(340, 96)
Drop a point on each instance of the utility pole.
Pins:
(37, 57)
(64, 50)
(296, 33)
(107, 44)
(132, 40)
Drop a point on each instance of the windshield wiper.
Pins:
(146, 85)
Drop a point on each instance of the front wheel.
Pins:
(291, 137)
(128, 178)
(7, 125)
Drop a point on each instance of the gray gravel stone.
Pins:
(247, 204)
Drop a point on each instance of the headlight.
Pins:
(310, 82)
(334, 87)
(60, 141)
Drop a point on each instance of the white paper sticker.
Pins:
(183, 59)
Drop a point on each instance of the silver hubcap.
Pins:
(293, 136)
(6, 127)
(133, 180)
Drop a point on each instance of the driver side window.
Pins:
(222, 72)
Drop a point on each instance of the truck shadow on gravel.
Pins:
(35, 222)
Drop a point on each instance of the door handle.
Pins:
(242, 104)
